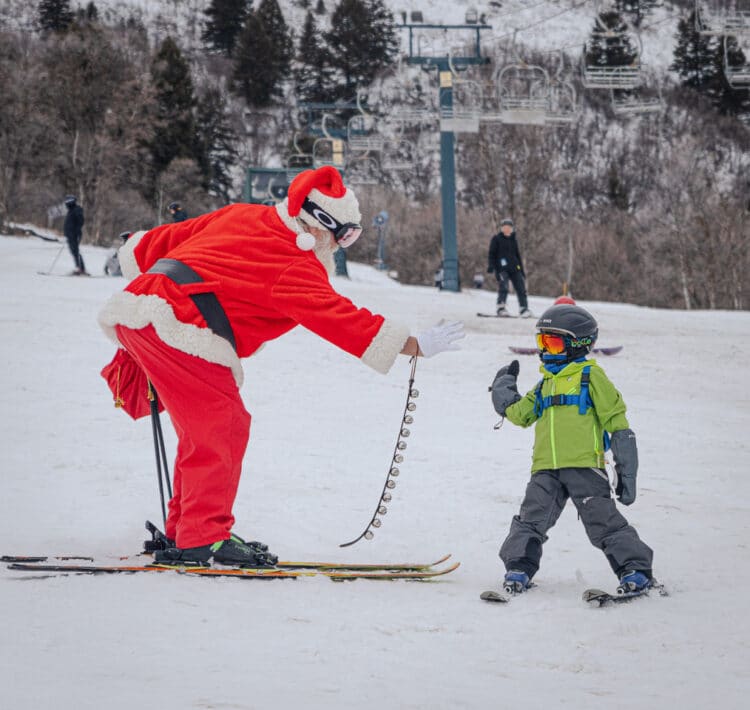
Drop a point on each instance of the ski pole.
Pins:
(159, 450)
(49, 271)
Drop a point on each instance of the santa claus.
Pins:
(208, 291)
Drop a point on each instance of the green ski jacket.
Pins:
(565, 438)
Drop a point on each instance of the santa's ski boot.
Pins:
(516, 582)
(633, 582)
(225, 552)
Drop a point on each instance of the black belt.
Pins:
(206, 303)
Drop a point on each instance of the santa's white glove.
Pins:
(440, 337)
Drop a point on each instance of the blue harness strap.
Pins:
(582, 400)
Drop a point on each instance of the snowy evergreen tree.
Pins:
(55, 15)
(320, 8)
(362, 42)
(610, 44)
(313, 72)
(224, 23)
(699, 61)
(215, 142)
(175, 102)
(263, 55)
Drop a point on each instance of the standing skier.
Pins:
(577, 412)
(73, 230)
(207, 292)
(504, 260)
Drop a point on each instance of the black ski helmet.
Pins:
(70, 200)
(576, 324)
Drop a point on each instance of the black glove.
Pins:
(625, 453)
(503, 389)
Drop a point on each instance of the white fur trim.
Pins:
(289, 222)
(137, 312)
(305, 241)
(128, 264)
(344, 209)
(385, 346)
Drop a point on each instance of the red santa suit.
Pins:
(256, 261)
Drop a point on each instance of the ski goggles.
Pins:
(551, 343)
(345, 233)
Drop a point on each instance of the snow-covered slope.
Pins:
(78, 476)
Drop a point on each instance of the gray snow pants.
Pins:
(546, 496)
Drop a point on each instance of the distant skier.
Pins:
(504, 260)
(73, 230)
(178, 213)
(112, 265)
(577, 412)
(207, 292)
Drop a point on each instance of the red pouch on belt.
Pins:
(129, 384)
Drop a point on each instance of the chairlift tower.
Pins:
(444, 65)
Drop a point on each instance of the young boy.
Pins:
(578, 413)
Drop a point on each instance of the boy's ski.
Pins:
(492, 596)
(283, 564)
(602, 598)
(496, 315)
(518, 350)
(246, 573)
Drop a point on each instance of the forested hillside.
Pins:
(636, 190)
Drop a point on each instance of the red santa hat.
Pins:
(316, 196)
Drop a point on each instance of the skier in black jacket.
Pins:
(505, 262)
(73, 230)
(177, 212)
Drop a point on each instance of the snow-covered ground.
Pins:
(78, 477)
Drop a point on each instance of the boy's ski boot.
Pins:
(516, 582)
(502, 311)
(634, 582)
(526, 313)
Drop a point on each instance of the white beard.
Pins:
(324, 250)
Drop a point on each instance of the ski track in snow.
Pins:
(79, 478)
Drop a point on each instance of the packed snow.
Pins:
(79, 478)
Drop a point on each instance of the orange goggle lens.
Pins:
(553, 344)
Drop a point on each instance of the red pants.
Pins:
(213, 428)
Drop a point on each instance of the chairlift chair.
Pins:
(563, 107)
(361, 135)
(523, 94)
(738, 75)
(328, 151)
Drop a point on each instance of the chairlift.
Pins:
(626, 76)
(297, 161)
(738, 75)
(632, 104)
(522, 91)
(716, 23)
(737, 22)
(328, 150)
(563, 107)
(361, 134)
(461, 102)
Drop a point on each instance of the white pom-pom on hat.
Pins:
(305, 241)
